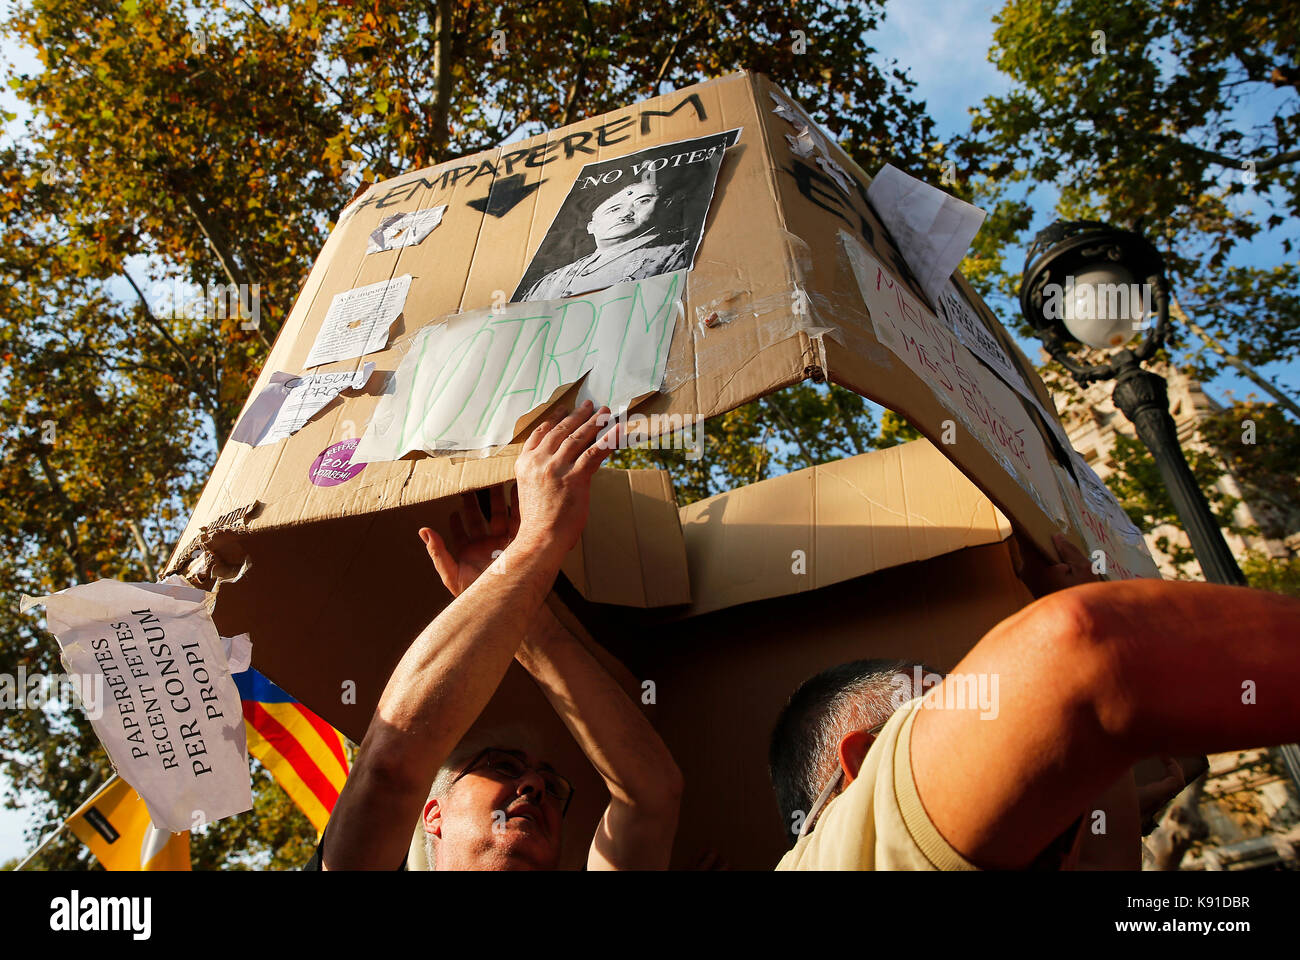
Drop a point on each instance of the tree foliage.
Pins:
(213, 142)
(791, 429)
(1260, 446)
(1179, 118)
(1279, 574)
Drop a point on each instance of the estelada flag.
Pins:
(115, 825)
(303, 752)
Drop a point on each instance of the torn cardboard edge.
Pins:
(631, 551)
(199, 563)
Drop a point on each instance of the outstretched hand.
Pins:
(554, 472)
(475, 540)
(551, 501)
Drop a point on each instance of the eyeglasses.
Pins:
(503, 765)
(824, 797)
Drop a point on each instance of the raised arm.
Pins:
(453, 667)
(637, 829)
(1090, 680)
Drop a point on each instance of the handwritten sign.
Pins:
(465, 382)
(288, 402)
(975, 336)
(1105, 526)
(991, 412)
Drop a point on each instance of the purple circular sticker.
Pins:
(334, 465)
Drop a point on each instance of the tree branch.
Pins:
(1232, 359)
(580, 73)
(144, 549)
(849, 424)
(672, 53)
(209, 399)
(441, 133)
(1261, 166)
(71, 541)
(794, 434)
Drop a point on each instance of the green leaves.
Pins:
(798, 427)
(1167, 131)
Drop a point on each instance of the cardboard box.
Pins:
(772, 299)
(331, 607)
(834, 522)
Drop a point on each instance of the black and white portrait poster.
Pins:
(628, 218)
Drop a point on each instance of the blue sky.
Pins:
(945, 46)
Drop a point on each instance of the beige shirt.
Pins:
(878, 823)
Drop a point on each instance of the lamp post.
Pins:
(1088, 282)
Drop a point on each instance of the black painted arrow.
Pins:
(504, 195)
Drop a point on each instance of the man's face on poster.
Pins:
(625, 214)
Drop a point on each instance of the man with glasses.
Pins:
(496, 805)
(525, 798)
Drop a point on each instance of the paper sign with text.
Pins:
(358, 321)
(976, 337)
(628, 218)
(465, 382)
(1122, 547)
(970, 330)
(172, 722)
(286, 404)
(988, 409)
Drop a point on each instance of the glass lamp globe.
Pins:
(1103, 307)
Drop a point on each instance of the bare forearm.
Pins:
(1090, 680)
(451, 670)
(616, 737)
(442, 683)
(637, 829)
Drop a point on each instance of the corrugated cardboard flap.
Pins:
(831, 523)
(632, 552)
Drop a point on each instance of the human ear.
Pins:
(853, 749)
(432, 818)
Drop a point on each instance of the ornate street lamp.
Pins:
(1088, 282)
